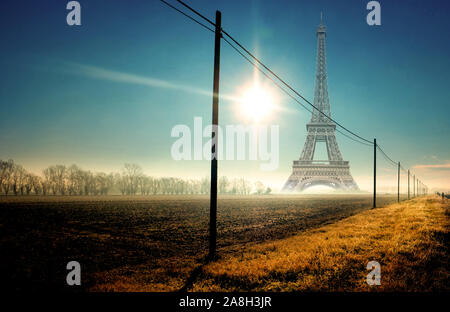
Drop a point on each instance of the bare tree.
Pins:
(147, 185)
(119, 183)
(132, 174)
(103, 183)
(6, 168)
(48, 181)
(36, 181)
(88, 183)
(62, 180)
(156, 186)
(259, 187)
(17, 179)
(109, 183)
(28, 183)
(223, 185)
(241, 187)
(246, 186)
(74, 180)
(205, 186)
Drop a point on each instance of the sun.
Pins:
(256, 103)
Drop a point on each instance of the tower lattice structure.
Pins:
(307, 172)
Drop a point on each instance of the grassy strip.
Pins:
(409, 240)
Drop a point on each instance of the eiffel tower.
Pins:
(333, 172)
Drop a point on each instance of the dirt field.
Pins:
(147, 243)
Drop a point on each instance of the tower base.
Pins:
(335, 174)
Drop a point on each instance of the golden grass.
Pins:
(409, 240)
(143, 278)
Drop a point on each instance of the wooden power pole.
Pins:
(374, 173)
(408, 184)
(398, 183)
(214, 138)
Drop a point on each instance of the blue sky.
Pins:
(388, 81)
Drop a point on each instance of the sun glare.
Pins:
(256, 103)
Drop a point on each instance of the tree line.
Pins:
(72, 180)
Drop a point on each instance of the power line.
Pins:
(351, 138)
(196, 12)
(365, 141)
(387, 160)
(281, 88)
(270, 71)
(236, 49)
(386, 156)
(256, 66)
(266, 75)
(252, 63)
(188, 16)
(287, 85)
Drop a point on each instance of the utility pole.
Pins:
(374, 173)
(408, 184)
(414, 185)
(398, 183)
(214, 136)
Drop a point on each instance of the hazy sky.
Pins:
(109, 91)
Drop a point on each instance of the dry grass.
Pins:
(409, 240)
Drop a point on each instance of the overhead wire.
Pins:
(363, 140)
(273, 73)
(386, 156)
(286, 92)
(196, 12)
(188, 16)
(293, 90)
